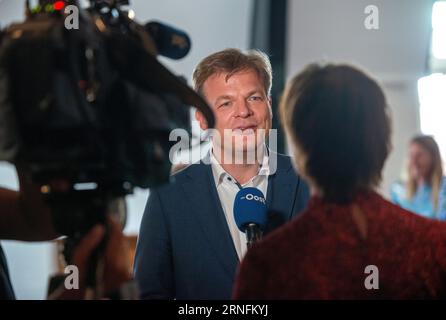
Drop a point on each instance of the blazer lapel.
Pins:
(205, 203)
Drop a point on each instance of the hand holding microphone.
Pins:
(250, 213)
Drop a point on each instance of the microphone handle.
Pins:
(253, 234)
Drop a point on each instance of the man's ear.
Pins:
(201, 120)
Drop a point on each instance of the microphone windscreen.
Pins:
(250, 207)
(170, 42)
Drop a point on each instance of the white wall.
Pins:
(212, 25)
(395, 54)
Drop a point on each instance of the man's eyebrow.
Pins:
(250, 93)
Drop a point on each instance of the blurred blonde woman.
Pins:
(424, 192)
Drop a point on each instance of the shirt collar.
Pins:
(217, 170)
(219, 173)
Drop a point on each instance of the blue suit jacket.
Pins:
(185, 249)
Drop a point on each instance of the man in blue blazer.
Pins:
(189, 246)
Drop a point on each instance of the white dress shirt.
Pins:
(227, 188)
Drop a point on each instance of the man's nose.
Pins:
(242, 109)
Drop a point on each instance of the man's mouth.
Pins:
(245, 130)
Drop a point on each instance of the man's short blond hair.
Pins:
(232, 61)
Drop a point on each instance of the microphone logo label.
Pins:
(250, 197)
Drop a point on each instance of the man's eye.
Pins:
(226, 104)
(255, 98)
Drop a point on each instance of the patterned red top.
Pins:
(322, 255)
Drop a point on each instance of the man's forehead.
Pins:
(226, 76)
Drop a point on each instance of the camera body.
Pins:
(89, 106)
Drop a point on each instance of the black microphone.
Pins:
(170, 42)
(250, 213)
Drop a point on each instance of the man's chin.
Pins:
(248, 146)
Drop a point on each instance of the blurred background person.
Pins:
(336, 118)
(424, 192)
